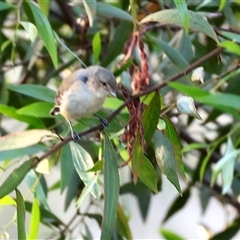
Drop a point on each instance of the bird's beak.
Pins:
(112, 93)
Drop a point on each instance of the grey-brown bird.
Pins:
(83, 93)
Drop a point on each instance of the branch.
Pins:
(99, 127)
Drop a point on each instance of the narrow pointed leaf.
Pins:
(20, 216)
(177, 205)
(150, 117)
(173, 137)
(172, 16)
(82, 162)
(67, 167)
(143, 168)
(34, 221)
(107, 10)
(25, 139)
(35, 91)
(37, 17)
(15, 178)
(123, 225)
(183, 12)
(7, 200)
(111, 190)
(165, 159)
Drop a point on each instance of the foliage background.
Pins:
(152, 47)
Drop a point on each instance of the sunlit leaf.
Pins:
(231, 47)
(30, 29)
(25, 139)
(97, 48)
(172, 16)
(20, 216)
(34, 220)
(90, 8)
(165, 159)
(7, 200)
(12, 113)
(38, 109)
(45, 31)
(111, 189)
(169, 235)
(15, 178)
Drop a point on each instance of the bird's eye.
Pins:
(104, 84)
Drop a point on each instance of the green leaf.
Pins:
(173, 55)
(67, 167)
(17, 153)
(189, 90)
(183, 12)
(38, 109)
(90, 8)
(172, 16)
(139, 190)
(35, 91)
(15, 178)
(30, 29)
(25, 139)
(82, 162)
(107, 10)
(7, 200)
(229, 232)
(225, 165)
(97, 48)
(33, 182)
(177, 205)
(6, 6)
(223, 101)
(111, 189)
(231, 47)
(222, 5)
(120, 37)
(123, 225)
(34, 220)
(150, 117)
(37, 17)
(165, 159)
(143, 168)
(46, 216)
(44, 6)
(12, 113)
(20, 216)
(169, 235)
(172, 135)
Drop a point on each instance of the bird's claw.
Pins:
(75, 136)
(104, 122)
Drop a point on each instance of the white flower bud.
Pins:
(198, 74)
(186, 105)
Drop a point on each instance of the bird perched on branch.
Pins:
(83, 93)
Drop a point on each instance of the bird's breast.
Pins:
(80, 102)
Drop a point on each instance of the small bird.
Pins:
(83, 93)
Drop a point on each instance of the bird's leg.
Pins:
(74, 135)
(103, 121)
